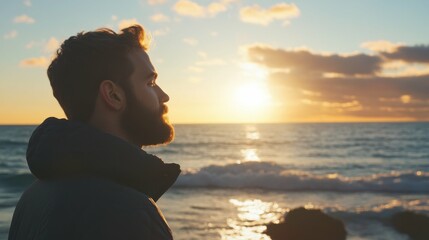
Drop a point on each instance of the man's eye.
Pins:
(152, 83)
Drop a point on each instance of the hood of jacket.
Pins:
(60, 148)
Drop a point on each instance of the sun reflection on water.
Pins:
(252, 217)
(252, 135)
(252, 132)
(250, 155)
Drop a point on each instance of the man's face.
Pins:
(144, 118)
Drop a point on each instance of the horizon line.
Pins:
(261, 123)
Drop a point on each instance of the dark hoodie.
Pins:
(91, 185)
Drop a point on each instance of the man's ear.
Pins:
(112, 95)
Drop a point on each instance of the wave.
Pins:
(12, 143)
(221, 143)
(380, 212)
(271, 176)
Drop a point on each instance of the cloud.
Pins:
(23, 19)
(194, 79)
(27, 3)
(399, 51)
(304, 60)
(190, 41)
(155, 2)
(51, 45)
(10, 35)
(200, 66)
(381, 46)
(114, 17)
(211, 62)
(405, 98)
(258, 15)
(369, 95)
(127, 22)
(193, 9)
(34, 62)
(202, 54)
(189, 8)
(374, 87)
(161, 32)
(48, 47)
(350, 106)
(195, 69)
(216, 7)
(31, 44)
(317, 86)
(159, 18)
(399, 68)
(412, 54)
(310, 93)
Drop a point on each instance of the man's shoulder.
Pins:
(86, 190)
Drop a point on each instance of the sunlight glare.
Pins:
(253, 93)
(253, 215)
(250, 155)
(252, 96)
(252, 133)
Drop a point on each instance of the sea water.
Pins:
(237, 178)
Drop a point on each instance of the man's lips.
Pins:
(164, 109)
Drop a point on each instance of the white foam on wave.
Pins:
(267, 175)
(382, 211)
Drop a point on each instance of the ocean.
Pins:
(237, 178)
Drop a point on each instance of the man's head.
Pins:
(107, 79)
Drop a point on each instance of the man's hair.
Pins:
(85, 60)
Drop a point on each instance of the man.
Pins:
(94, 181)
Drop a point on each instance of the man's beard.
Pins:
(146, 127)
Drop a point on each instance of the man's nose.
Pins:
(163, 97)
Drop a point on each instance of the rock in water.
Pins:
(415, 225)
(307, 224)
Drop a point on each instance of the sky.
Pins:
(237, 61)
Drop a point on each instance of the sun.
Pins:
(252, 96)
(251, 99)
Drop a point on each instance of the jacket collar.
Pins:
(60, 148)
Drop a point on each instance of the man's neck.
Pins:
(111, 126)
